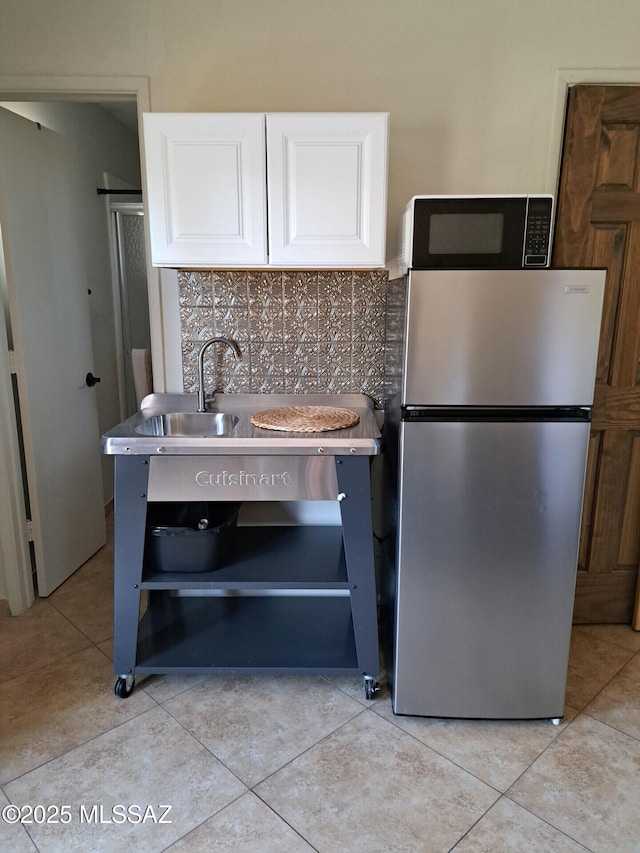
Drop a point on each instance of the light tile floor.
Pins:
(297, 763)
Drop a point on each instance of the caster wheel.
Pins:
(124, 686)
(370, 687)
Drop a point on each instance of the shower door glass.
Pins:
(128, 231)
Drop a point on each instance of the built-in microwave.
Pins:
(477, 232)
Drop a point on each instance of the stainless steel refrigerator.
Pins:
(492, 419)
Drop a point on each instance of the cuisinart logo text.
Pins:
(243, 478)
(576, 288)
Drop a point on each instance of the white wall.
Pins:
(470, 84)
(474, 87)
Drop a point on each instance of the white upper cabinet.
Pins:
(206, 188)
(212, 177)
(327, 189)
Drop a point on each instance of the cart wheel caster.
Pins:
(371, 687)
(124, 686)
(555, 721)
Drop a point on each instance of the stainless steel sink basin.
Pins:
(185, 424)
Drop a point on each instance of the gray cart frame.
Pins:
(330, 632)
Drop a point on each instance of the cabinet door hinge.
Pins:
(12, 361)
(30, 530)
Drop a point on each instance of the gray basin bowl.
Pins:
(198, 424)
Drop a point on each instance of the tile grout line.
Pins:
(436, 752)
(77, 746)
(62, 657)
(202, 822)
(533, 814)
(268, 776)
(607, 683)
(251, 788)
(613, 728)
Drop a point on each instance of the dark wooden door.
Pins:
(598, 225)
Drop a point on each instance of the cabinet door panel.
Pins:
(206, 188)
(327, 182)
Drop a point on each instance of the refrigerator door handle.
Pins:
(496, 414)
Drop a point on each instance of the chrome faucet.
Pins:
(202, 405)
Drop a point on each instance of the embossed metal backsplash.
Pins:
(301, 332)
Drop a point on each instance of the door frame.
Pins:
(565, 79)
(14, 544)
(15, 557)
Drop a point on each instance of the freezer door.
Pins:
(502, 337)
(489, 519)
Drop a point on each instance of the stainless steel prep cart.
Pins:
(291, 598)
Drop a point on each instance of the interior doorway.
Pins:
(17, 582)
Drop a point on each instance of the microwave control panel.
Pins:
(537, 232)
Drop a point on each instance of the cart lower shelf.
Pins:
(247, 633)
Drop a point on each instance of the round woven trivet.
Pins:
(305, 418)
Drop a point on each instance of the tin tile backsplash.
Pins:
(299, 332)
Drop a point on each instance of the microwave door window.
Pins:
(466, 233)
